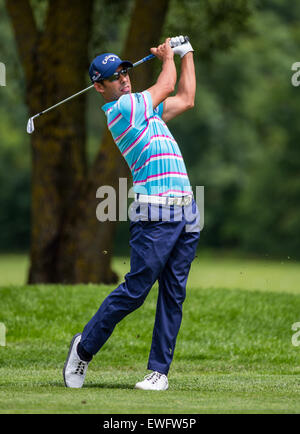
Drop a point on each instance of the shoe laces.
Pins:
(153, 377)
(80, 367)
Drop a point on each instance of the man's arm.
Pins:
(185, 96)
(166, 81)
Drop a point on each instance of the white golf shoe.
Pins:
(153, 381)
(74, 369)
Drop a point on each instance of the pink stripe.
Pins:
(133, 164)
(147, 144)
(155, 137)
(161, 174)
(136, 140)
(162, 136)
(122, 134)
(173, 191)
(111, 122)
(156, 118)
(158, 155)
(167, 173)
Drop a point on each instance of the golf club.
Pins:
(30, 123)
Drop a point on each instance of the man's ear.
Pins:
(99, 87)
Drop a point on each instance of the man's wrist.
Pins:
(168, 59)
(189, 50)
(188, 54)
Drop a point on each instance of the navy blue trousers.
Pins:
(163, 245)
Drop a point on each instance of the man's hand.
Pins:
(165, 83)
(163, 51)
(186, 89)
(181, 47)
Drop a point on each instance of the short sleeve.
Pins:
(159, 109)
(136, 108)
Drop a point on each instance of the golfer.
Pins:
(164, 227)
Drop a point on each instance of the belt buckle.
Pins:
(179, 201)
(174, 201)
(187, 200)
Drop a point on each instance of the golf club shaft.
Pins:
(84, 90)
(145, 59)
(65, 100)
(139, 62)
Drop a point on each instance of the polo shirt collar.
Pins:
(108, 105)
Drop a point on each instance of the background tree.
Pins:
(86, 250)
(66, 239)
(240, 141)
(54, 61)
(243, 133)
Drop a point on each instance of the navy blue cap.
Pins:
(104, 65)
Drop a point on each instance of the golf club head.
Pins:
(30, 126)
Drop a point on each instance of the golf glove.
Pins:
(180, 47)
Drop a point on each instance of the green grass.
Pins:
(13, 269)
(234, 352)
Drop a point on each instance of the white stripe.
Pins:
(137, 142)
(160, 121)
(147, 105)
(124, 134)
(133, 108)
(163, 157)
(156, 138)
(116, 120)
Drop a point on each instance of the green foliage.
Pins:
(267, 203)
(109, 26)
(240, 140)
(243, 134)
(213, 25)
(14, 149)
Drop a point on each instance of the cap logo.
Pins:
(110, 58)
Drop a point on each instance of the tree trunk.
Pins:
(87, 242)
(55, 63)
(68, 243)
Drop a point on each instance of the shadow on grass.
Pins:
(88, 385)
(175, 385)
(110, 385)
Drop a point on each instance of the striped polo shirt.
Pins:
(147, 145)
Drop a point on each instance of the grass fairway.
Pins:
(234, 352)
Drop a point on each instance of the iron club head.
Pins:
(30, 126)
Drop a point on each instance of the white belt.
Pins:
(164, 200)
